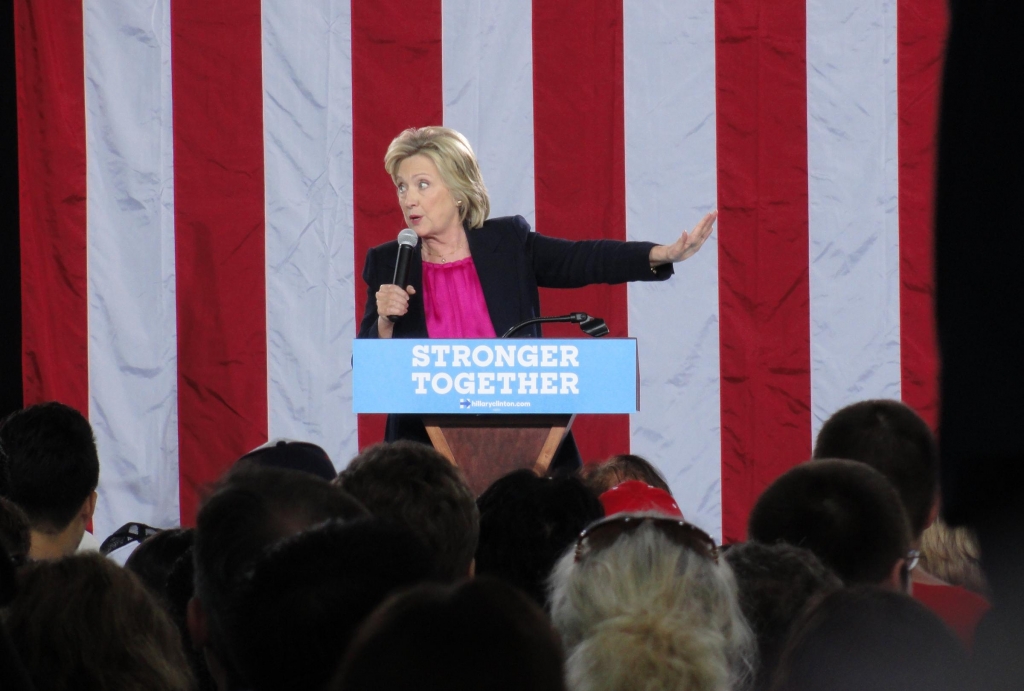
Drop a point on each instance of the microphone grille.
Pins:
(408, 237)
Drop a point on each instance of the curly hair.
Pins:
(648, 613)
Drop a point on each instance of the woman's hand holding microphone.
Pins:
(392, 301)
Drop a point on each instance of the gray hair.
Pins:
(647, 607)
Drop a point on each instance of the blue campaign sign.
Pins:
(517, 376)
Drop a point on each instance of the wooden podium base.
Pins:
(487, 447)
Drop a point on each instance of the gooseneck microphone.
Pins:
(592, 326)
(407, 241)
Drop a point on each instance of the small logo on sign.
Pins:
(464, 403)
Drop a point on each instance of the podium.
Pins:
(492, 406)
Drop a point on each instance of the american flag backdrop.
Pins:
(200, 182)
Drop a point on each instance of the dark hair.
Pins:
(414, 485)
(50, 463)
(301, 456)
(481, 634)
(844, 511)
(155, 556)
(891, 438)
(14, 532)
(300, 605)
(180, 589)
(871, 638)
(776, 584)
(83, 622)
(526, 523)
(601, 477)
(250, 510)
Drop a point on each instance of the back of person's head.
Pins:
(83, 622)
(14, 533)
(291, 455)
(526, 524)
(155, 556)
(299, 606)
(646, 602)
(50, 466)
(891, 438)
(776, 584)
(414, 485)
(482, 634)
(953, 555)
(601, 477)
(179, 591)
(249, 511)
(869, 638)
(845, 512)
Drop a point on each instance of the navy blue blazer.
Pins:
(512, 263)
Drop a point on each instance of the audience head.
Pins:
(634, 496)
(291, 455)
(891, 438)
(953, 555)
(300, 604)
(250, 510)
(50, 469)
(869, 638)
(845, 512)
(455, 161)
(14, 533)
(526, 523)
(776, 584)
(482, 634)
(646, 602)
(155, 556)
(83, 622)
(415, 486)
(601, 477)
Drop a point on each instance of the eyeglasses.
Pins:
(605, 532)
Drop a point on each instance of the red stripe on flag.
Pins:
(580, 173)
(50, 64)
(763, 248)
(219, 238)
(920, 35)
(396, 84)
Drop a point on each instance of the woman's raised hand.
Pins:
(391, 301)
(687, 244)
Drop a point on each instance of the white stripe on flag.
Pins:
(307, 121)
(670, 184)
(853, 215)
(487, 74)
(133, 404)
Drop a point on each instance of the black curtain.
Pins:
(10, 261)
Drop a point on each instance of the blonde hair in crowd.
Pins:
(953, 555)
(646, 613)
(455, 160)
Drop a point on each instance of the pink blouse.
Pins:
(454, 301)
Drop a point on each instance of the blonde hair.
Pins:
(648, 613)
(953, 555)
(455, 161)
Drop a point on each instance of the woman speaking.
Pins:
(475, 277)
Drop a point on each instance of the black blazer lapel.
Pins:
(498, 266)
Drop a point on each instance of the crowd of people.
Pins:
(392, 575)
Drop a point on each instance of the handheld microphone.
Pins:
(407, 241)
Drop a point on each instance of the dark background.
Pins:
(10, 264)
